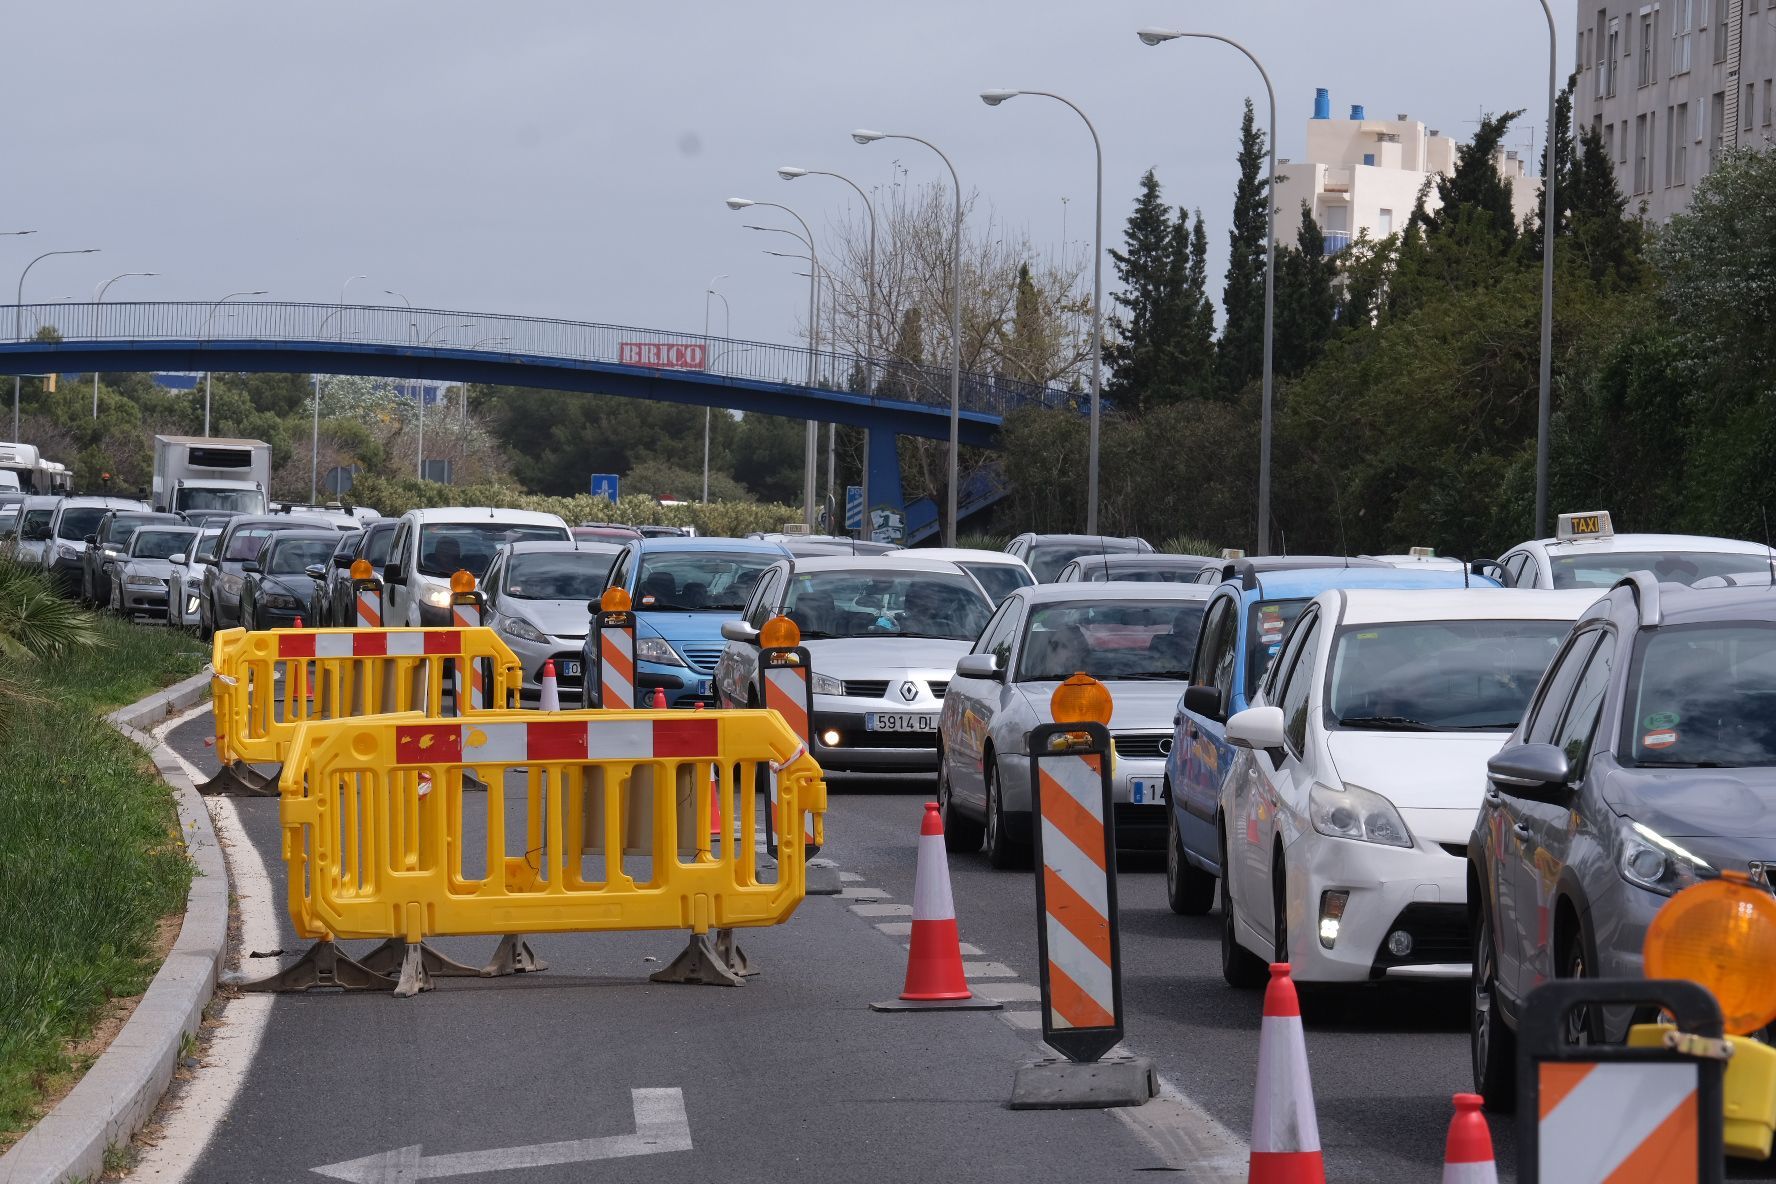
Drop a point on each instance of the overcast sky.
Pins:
(570, 158)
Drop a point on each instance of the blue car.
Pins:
(683, 591)
(1242, 629)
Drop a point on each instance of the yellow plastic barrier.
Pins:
(590, 821)
(1749, 1090)
(268, 682)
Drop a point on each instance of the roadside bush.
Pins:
(394, 497)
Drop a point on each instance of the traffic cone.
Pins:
(298, 623)
(659, 697)
(934, 977)
(1285, 1133)
(551, 693)
(1468, 1156)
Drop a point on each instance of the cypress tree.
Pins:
(1136, 346)
(1306, 304)
(1240, 357)
(1196, 345)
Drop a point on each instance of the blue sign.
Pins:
(853, 507)
(605, 485)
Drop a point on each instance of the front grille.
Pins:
(565, 681)
(702, 655)
(1439, 934)
(938, 688)
(866, 688)
(1146, 746)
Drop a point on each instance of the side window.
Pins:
(398, 548)
(764, 599)
(1557, 686)
(1202, 668)
(619, 575)
(1514, 568)
(1580, 722)
(1222, 674)
(999, 624)
(1299, 684)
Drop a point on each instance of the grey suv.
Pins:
(1647, 761)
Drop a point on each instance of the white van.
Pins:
(431, 545)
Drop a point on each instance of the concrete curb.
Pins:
(124, 1085)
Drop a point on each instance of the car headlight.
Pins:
(137, 580)
(1353, 812)
(826, 684)
(1649, 860)
(436, 597)
(279, 600)
(522, 629)
(68, 551)
(655, 649)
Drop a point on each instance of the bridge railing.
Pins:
(496, 336)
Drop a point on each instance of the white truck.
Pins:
(198, 473)
(23, 470)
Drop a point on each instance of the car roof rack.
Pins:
(1644, 586)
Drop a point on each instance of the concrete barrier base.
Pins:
(1069, 1085)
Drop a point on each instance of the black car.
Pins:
(333, 603)
(275, 584)
(108, 543)
(1138, 568)
(219, 605)
(318, 615)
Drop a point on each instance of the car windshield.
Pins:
(877, 603)
(557, 575)
(698, 581)
(1047, 559)
(999, 579)
(1157, 574)
(1704, 697)
(1266, 622)
(121, 531)
(80, 521)
(448, 547)
(244, 544)
(1439, 676)
(1127, 639)
(290, 556)
(240, 501)
(34, 523)
(1603, 569)
(150, 543)
(377, 549)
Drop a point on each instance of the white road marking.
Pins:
(974, 970)
(853, 892)
(883, 910)
(660, 1126)
(896, 928)
(1007, 992)
(1187, 1137)
(1025, 1021)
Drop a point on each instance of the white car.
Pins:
(998, 574)
(432, 545)
(1136, 638)
(32, 533)
(1586, 552)
(1360, 769)
(187, 578)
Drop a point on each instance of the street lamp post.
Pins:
(1545, 377)
(18, 317)
(812, 447)
(789, 173)
(99, 298)
(1155, 37)
(419, 393)
(202, 335)
(726, 329)
(865, 136)
(993, 98)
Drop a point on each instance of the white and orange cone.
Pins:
(934, 978)
(1467, 1157)
(1285, 1131)
(659, 699)
(550, 699)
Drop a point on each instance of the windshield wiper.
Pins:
(1503, 725)
(1150, 676)
(1387, 723)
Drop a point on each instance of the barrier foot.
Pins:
(239, 779)
(322, 966)
(729, 951)
(414, 975)
(513, 955)
(388, 958)
(822, 880)
(700, 965)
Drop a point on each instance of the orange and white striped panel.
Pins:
(1619, 1123)
(467, 615)
(1076, 893)
(786, 693)
(369, 606)
(616, 668)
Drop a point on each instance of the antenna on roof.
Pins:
(1769, 558)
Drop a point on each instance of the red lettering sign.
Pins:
(663, 355)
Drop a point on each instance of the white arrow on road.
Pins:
(660, 1125)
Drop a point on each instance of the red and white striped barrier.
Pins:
(616, 660)
(386, 643)
(465, 613)
(934, 977)
(368, 594)
(1285, 1130)
(451, 742)
(1467, 1155)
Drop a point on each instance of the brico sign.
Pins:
(664, 355)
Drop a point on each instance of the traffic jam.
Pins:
(1399, 768)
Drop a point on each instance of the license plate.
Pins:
(570, 669)
(884, 721)
(703, 687)
(1147, 791)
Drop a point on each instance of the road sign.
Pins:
(605, 485)
(853, 507)
(338, 479)
(664, 355)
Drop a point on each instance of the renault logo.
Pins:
(909, 690)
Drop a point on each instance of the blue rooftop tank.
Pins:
(1322, 103)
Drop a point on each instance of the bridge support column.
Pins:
(884, 516)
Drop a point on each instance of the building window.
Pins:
(1599, 47)
(1640, 154)
(1607, 80)
(1649, 27)
(1717, 127)
(1678, 130)
(1384, 222)
(1721, 13)
(1682, 22)
(1750, 107)
(1609, 141)
(1769, 95)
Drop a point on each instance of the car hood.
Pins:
(1418, 770)
(557, 618)
(679, 628)
(298, 586)
(150, 567)
(1732, 806)
(1135, 706)
(865, 657)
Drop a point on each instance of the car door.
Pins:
(971, 705)
(1202, 739)
(394, 592)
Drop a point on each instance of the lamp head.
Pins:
(865, 136)
(789, 172)
(739, 203)
(993, 98)
(1155, 36)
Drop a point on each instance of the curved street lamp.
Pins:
(203, 334)
(18, 315)
(99, 298)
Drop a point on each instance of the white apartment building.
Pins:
(1670, 86)
(1364, 174)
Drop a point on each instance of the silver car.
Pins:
(32, 534)
(882, 634)
(142, 577)
(539, 598)
(188, 576)
(1136, 638)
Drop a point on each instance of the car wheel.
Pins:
(1583, 1025)
(1493, 1045)
(117, 597)
(962, 836)
(1279, 903)
(1189, 890)
(1004, 851)
(1240, 967)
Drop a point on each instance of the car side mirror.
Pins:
(342, 562)
(740, 631)
(1256, 727)
(92, 540)
(250, 567)
(1490, 568)
(1203, 701)
(1539, 772)
(179, 560)
(978, 666)
(315, 571)
(392, 573)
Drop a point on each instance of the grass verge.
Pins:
(91, 857)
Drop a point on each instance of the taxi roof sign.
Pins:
(1422, 552)
(1233, 553)
(1588, 524)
